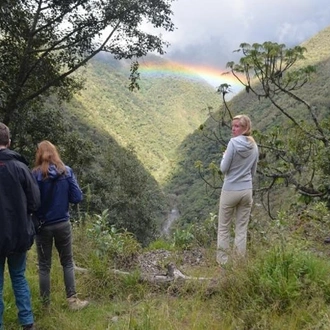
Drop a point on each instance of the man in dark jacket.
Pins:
(19, 196)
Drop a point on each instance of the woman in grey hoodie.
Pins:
(239, 165)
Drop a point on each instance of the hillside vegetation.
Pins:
(154, 120)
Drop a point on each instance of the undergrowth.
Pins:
(283, 284)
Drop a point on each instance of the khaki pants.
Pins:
(230, 202)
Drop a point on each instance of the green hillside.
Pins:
(154, 119)
(195, 199)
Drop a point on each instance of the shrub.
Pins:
(111, 243)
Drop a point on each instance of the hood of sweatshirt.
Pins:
(243, 146)
(52, 173)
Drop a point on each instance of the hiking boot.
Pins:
(28, 327)
(76, 304)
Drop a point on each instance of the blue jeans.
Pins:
(16, 266)
(60, 234)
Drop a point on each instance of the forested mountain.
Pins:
(195, 198)
(153, 120)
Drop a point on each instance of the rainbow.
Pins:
(213, 76)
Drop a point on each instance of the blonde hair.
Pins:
(46, 155)
(245, 122)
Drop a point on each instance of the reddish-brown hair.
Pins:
(46, 155)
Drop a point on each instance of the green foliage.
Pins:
(196, 234)
(206, 232)
(183, 238)
(133, 203)
(110, 243)
(46, 55)
(270, 63)
(276, 286)
(160, 244)
(289, 157)
(286, 273)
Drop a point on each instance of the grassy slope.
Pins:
(194, 201)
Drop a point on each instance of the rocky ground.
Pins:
(156, 261)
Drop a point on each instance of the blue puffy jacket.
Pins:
(65, 190)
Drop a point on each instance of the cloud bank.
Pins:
(209, 31)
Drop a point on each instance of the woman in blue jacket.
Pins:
(58, 187)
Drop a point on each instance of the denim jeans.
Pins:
(231, 202)
(60, 234)
(16, 266)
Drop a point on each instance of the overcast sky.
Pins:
(209, 30)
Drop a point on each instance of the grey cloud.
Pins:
(214, 52)
(208, 31)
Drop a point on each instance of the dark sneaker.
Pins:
(327, 240)
(29, 327)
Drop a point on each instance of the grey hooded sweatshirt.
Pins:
(239, 163)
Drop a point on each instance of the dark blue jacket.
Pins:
(19, 196)
(55, 200)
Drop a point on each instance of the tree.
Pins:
(294, 151)
(43, 42)
(298, 157)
